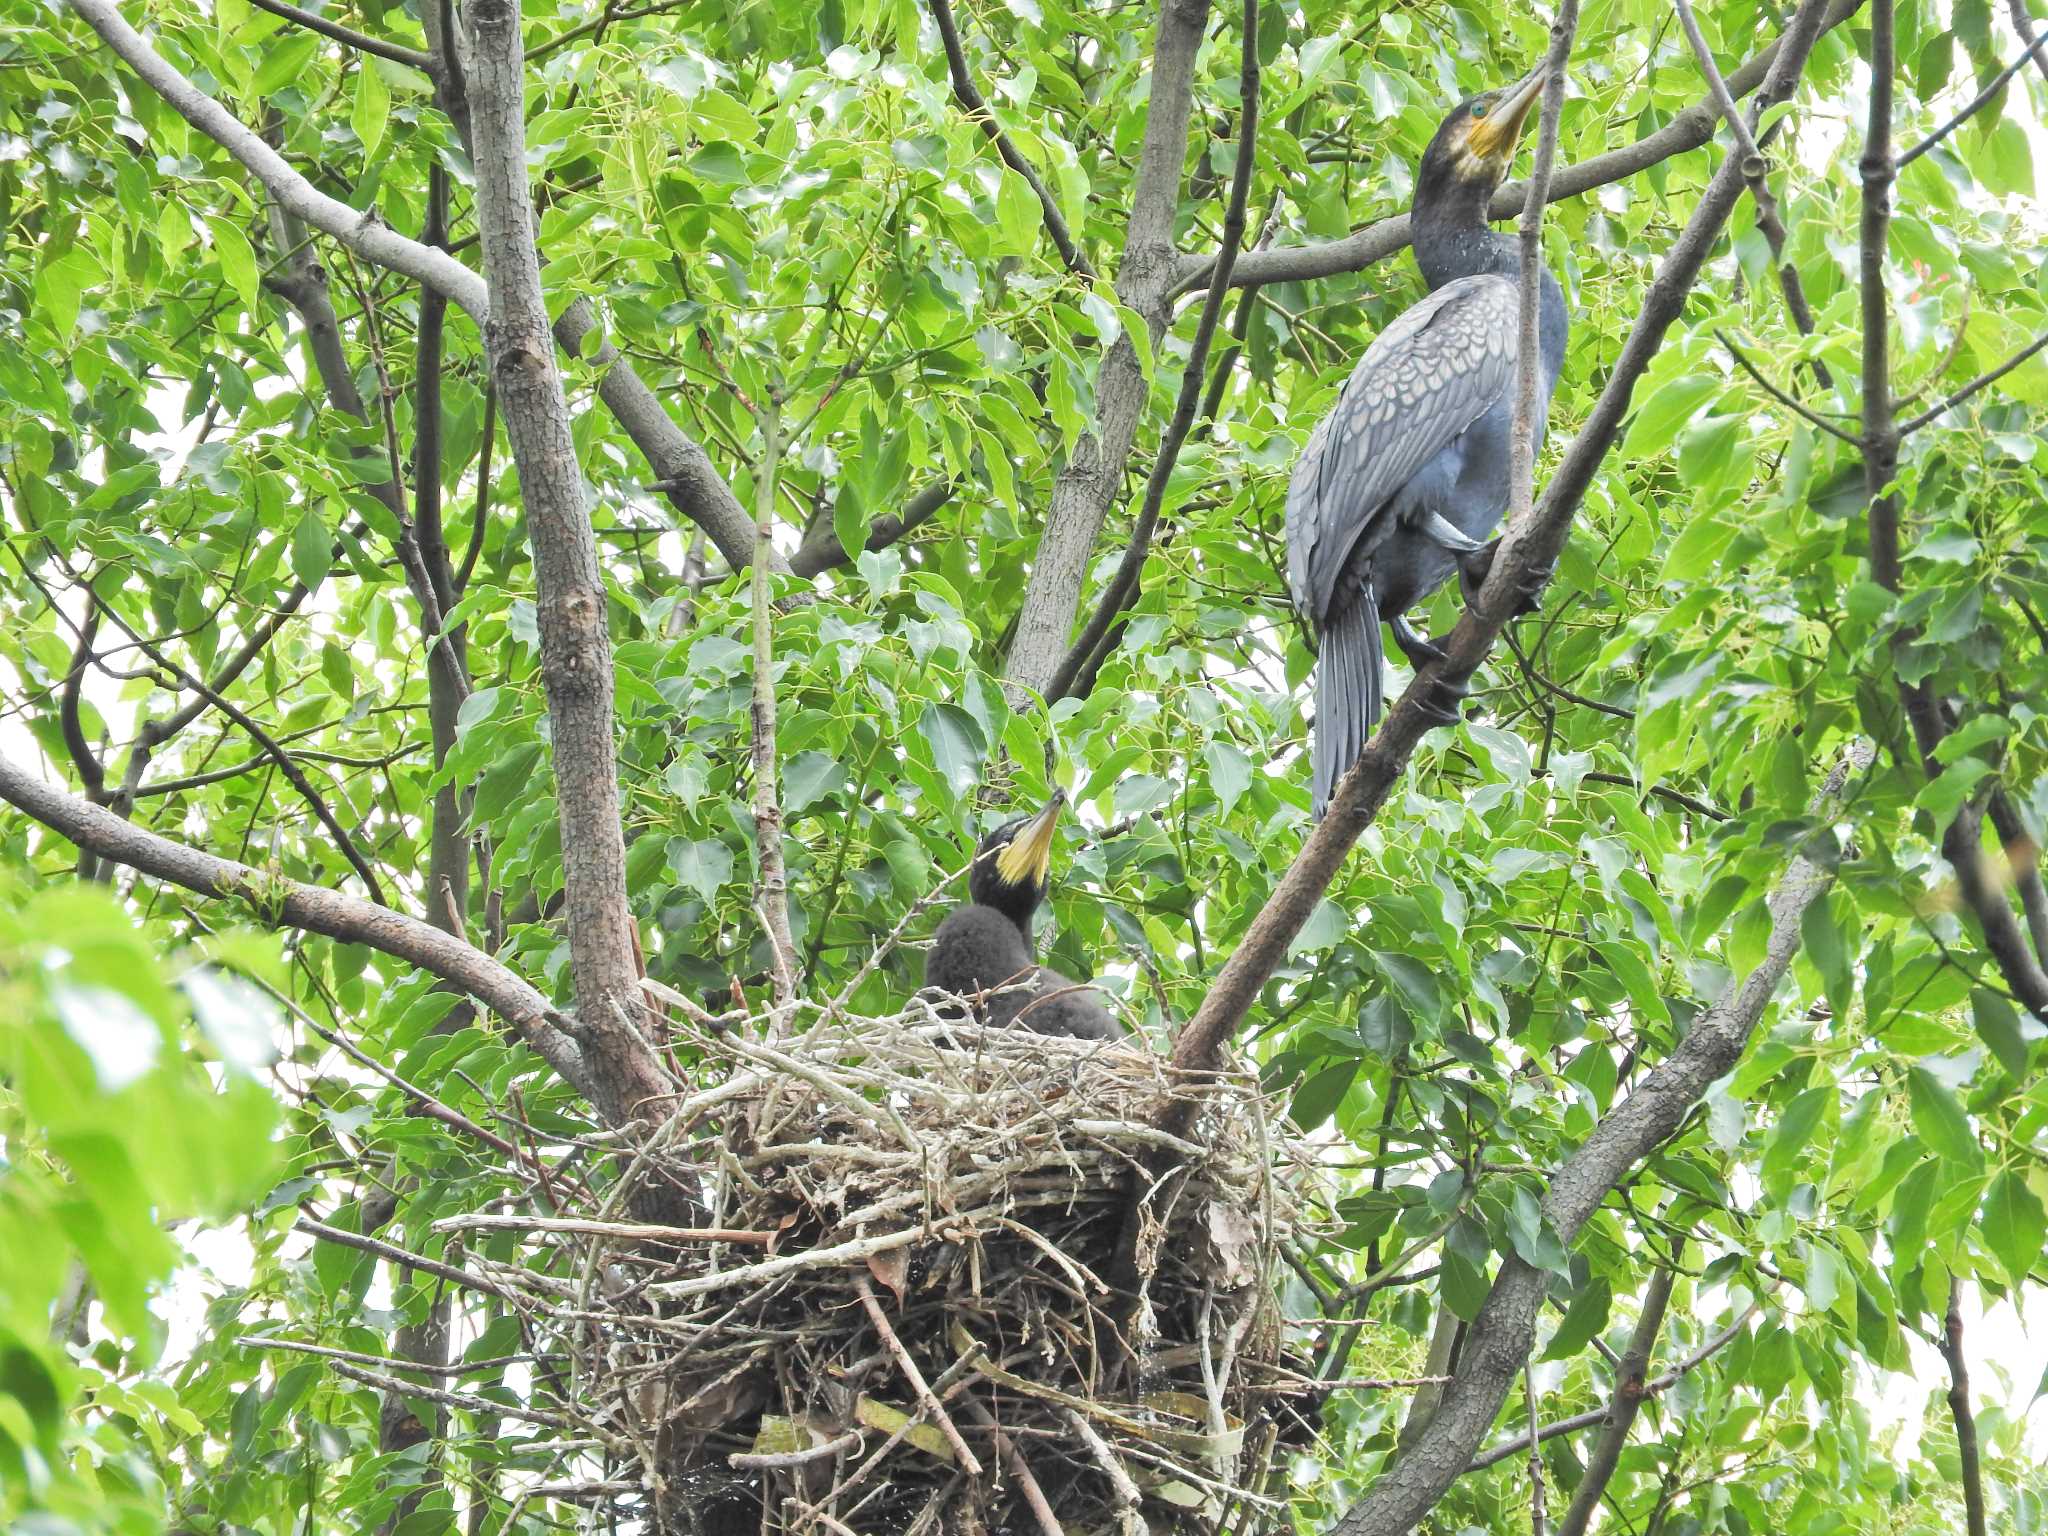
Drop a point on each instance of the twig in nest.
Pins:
(915, 1377)
(1020, 1469)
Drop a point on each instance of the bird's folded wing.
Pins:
(1433, 372)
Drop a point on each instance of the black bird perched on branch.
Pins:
(986, 942)
(1402, 482)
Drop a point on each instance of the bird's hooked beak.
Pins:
(1029, 855)
(1493, 137)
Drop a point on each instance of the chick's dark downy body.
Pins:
(1402, 483)
(985, 943)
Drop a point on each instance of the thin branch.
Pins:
(1967, 1452)
(1983, 381)
(1756, 171)
(287, 903)
(344, 843)
(364, 233)
(397, 53)
(1810, 416)
(1536, 1509)
(772, 894)
(1630, 1390)
(1688, 130)
(1123, 588)
(1514, 1445)
(403, 1257)
(1976, 103)
(971, 102)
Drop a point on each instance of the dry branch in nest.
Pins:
(897, 1318)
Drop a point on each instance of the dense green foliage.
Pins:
(779, 201)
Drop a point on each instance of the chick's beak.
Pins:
(1029, 855)
(1494, 135)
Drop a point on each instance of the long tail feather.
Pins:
(1348, 681)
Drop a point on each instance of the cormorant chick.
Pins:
(986, 942)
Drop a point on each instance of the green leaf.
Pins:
(2014, 1224)
(1536, 1241)
(956, 742)
(1230, 773)
(2010, 1037)
(1938, 1119)
(372, 107)
(808, 778)
(1664, 412)
(312, 549)
(1319, 1095)
(1789, 1137)
(1583, 1320)
(1017, 214)
(237, 260)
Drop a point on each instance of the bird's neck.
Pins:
(1453, 239)
(1014, 903)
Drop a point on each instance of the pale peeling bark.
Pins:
(575, 643)
(1088, 484)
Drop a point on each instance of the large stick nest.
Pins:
(949, 1278)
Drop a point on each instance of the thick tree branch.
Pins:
(1094, 471)
(287, 903)
(1688, 130)
(575, 638)
(971, 102)
(1122, 591)
(1630, 1391)
(821, 550)
(681, 468)
(1500, 1336)
(1525, 550)
(364, 233)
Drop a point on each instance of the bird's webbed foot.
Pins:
(1421, 652)
(1443, 702)
(1473, 569)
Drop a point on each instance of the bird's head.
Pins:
(1475, 144)
(1010, 867)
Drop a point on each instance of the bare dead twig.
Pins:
(915, 1378)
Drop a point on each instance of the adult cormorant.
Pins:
(985, 943)
(1402, 482)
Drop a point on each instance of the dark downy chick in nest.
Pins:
(986, 942)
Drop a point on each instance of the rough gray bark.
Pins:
(1500, 1336)
(575, 641)
(1089, 481)
(1630, 1388)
